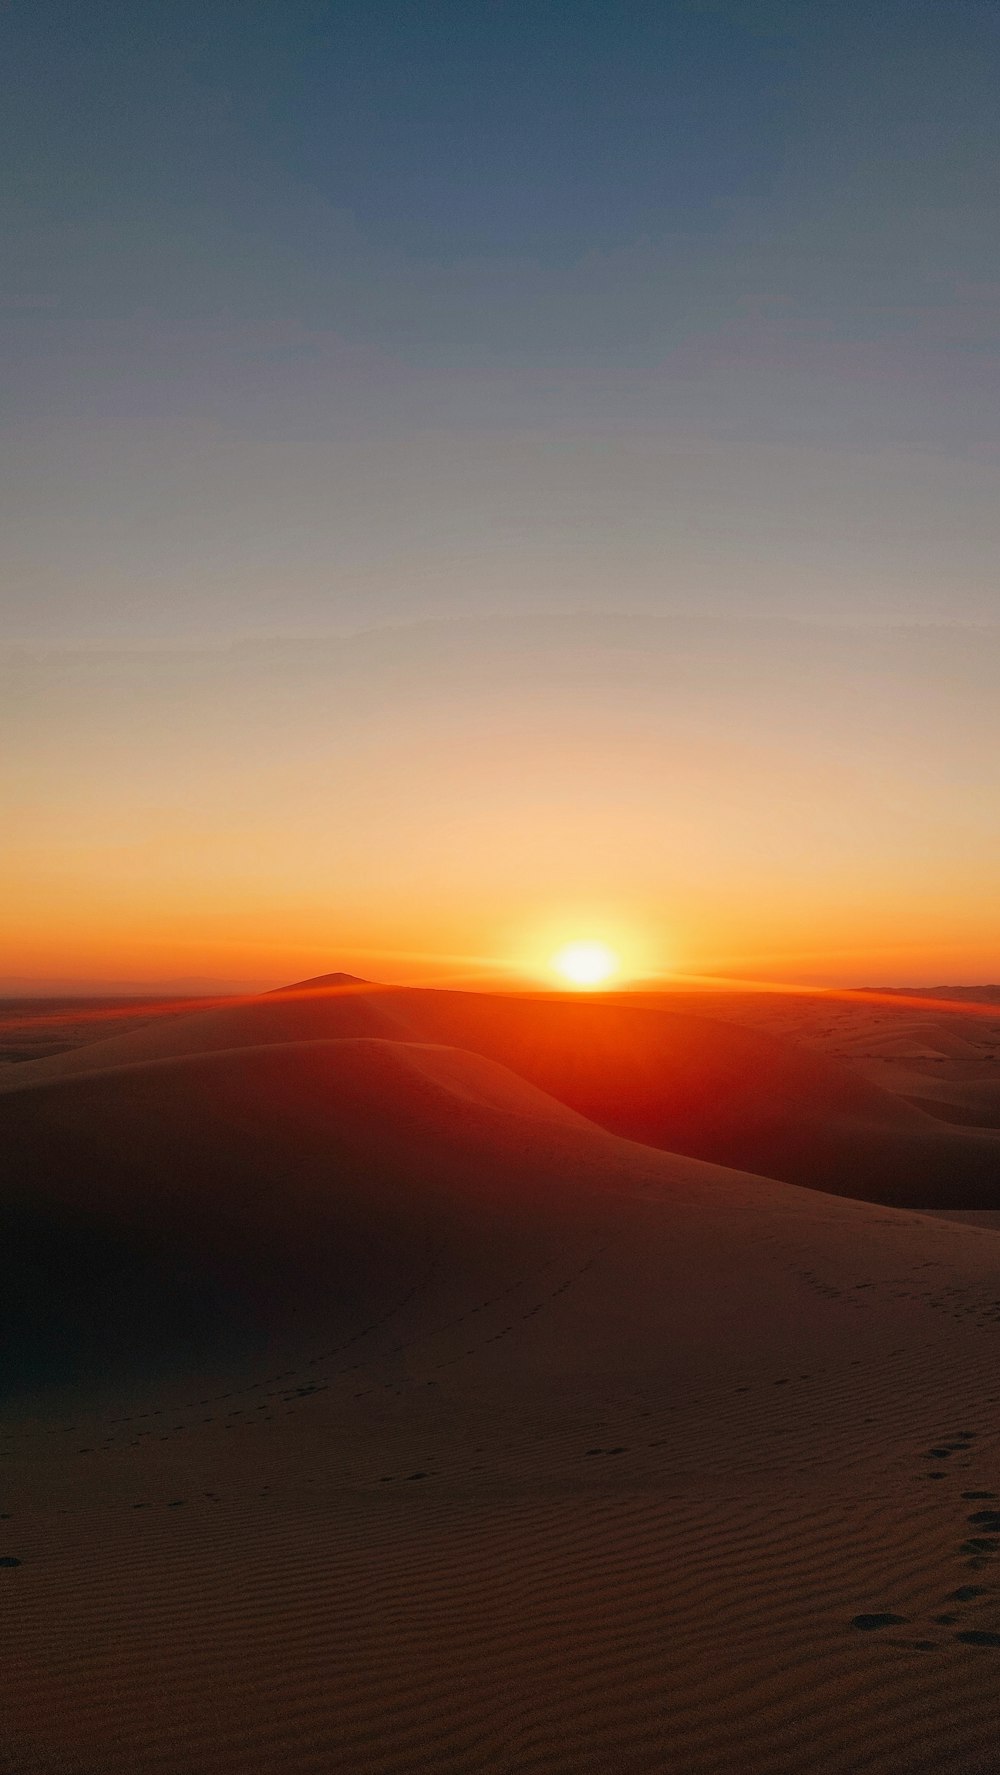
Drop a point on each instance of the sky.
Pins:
(475, 475)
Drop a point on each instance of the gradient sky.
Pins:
(475, 473)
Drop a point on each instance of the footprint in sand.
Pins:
(9, 1560)
(868, 1623)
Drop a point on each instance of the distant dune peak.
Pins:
(323, 982)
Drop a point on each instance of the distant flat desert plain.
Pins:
(423, 1383)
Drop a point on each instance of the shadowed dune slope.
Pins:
(970, 1102)
(728, 1094)
(966, 1105)
(171, 1202)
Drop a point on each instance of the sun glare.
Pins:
(586, 965)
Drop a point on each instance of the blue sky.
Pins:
(320, 316)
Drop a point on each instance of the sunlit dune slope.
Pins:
(686, 1083)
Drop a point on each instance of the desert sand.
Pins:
(407, 1381)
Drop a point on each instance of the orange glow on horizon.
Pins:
(452, 807)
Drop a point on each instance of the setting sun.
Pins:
(586, 964)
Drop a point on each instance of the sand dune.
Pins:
(969, 1102)
(240, 1190)
(687, 1083)
(519, 1447)
(951, 1070)
(295, 1014)
(910, 1041)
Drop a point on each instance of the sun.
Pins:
(586, 965)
